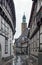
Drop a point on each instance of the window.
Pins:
(0, 1)
(6, 4)
(38, 35)
(41, 46)
(6, 45)
(41, 29)
(37, 45)
(2, 24)
(4, 27)
(33, 43)
(3, 2)
(41, 38)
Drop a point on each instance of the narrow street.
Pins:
(17, 60)
(20, 60)
(20, 32)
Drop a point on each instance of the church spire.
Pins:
(24, 24)
(24, 18)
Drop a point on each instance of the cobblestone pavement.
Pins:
(5, 62)
(18, 60)
(21, 60)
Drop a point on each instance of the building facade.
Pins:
(35, 25)
(24, 43)
(7, 28)
(21, 43)
(17, 49)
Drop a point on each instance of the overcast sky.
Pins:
(21, 6)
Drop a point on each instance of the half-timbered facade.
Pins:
(35, 25)
(7, 28)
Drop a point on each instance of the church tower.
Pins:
(24, 24)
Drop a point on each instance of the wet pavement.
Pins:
(20, 60)
(17, 60)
